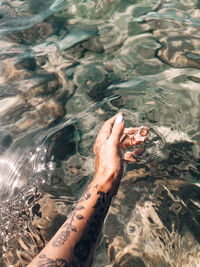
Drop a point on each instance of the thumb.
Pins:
(118, 128)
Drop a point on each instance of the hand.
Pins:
(131, 137)
(108, 161)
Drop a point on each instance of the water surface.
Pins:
(65, 68)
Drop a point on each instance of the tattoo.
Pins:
(82, 250)
(68, 227)
(46, 262)
(83, 247)
(87, 194)
(103, 201)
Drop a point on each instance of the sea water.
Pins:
(65, 68)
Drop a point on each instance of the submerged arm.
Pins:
(75, 242)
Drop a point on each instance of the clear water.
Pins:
(67, 66)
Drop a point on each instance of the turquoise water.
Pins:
(66, 67)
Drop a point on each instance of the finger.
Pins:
(138, 136)
(117, 129)
(123, 138)
(130, 156)
(132, 141)
(143, 130)
(138, 151)
(130, 130)
(106, 129)
(104, 133)
(127, 132)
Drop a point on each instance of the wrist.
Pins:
(106, 182)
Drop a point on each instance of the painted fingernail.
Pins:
(119, 119)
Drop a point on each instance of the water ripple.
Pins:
(66, 67)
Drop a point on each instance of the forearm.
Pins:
(75, 242)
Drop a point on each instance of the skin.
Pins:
(75, 242)
(131, 137)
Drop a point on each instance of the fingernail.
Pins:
(119, 119)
